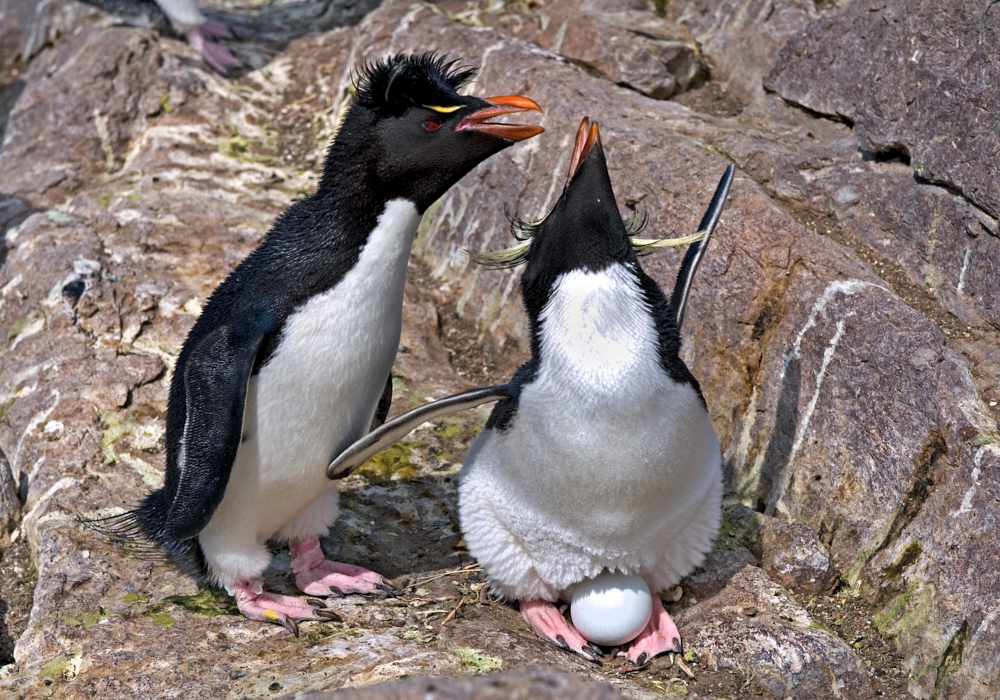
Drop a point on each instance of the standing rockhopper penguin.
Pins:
(604, 457)
(289, 363)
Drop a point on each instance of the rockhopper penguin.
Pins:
(289, 362)
(604, 457)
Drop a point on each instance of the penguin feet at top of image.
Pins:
(183, 17)
(603, 465)
(290, 360)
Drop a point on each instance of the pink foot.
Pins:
(280, 609)
(316, 575)
(659, 636)
(550, 625)
(216, 55)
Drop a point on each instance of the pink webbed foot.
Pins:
(317, 575)
(215, 55)
(550, 625)
(660, 635)
(279, 609)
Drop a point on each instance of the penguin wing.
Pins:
(393, 431)
(216, 375)
(678, 300)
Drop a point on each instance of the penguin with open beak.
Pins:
(600, 455)
(289, 363)
(605, 458)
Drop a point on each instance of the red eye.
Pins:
(432, 125)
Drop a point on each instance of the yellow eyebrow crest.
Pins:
(443, 110)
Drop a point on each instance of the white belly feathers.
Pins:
(318, 391)
(607, 463)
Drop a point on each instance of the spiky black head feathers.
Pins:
(392, 84)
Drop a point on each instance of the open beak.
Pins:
(504, 104)
(586, 137)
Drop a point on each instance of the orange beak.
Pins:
(503, 104)
(586, 136)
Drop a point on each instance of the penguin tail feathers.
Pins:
(140, 533)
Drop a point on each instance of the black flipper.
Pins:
(215, 387)
(393, 431)
(384, 404)
(678, 300)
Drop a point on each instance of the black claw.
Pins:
(591, 653)
(329, 615)
(389, 584)
(385, 589)
(560, 642)
(337, 592)
(678, 649)
(316, 602)
(593, 650)
(289, 624)
(642, 660)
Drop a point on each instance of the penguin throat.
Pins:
(597, 329)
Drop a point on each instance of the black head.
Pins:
(584, 229)
(413, 135)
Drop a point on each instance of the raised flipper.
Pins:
(393, 431)
(216, 374)
(696, 252)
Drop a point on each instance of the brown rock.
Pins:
(753, 625)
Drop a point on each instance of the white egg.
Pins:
(611, 608)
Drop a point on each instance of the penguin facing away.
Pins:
(290, 361)
(605, 457)
(601, 454)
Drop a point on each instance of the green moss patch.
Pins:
(391, 464)
(478, 660)
(207, 601)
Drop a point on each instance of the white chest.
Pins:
(318, 391)
(603, 438)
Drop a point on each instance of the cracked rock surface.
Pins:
(844, 327)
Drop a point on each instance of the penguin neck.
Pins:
(596, 331)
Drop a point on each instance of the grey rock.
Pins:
(10, 504)
(743, 37)
(931, 98)
(794, 557)
(656, 66)
(531, 683)
(754, 627)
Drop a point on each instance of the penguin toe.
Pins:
(658, 637)
(329, 615)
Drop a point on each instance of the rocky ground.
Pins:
(845, 327)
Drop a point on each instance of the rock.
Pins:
(753, 625)
(655, 66)
(10, 504)
(794, 557)
(790, 553)
(930, 99)
(527, 683)
(743, 37)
